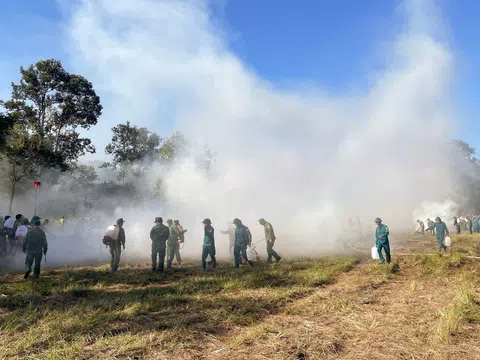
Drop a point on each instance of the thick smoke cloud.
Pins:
(299, 157)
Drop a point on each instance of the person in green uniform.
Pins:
(429, 224)
(208, 244)
(34, 246)
(476, 224)
(381, 239)
(270, 239)
(172, 243)
(243, 238)
(116, 247)
(159, 236)
(441, 230)
(456, 223)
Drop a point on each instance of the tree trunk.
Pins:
(12, 196)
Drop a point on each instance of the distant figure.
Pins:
(476, 224)
(469, 225)
(116, 246)
(208, 244)
(35, 246)
(429, 225)
(359, 225)
(456, 223)
(441, 230)
(61, 222)
(421, 229)
(270, 239)
(243, 238)
(159, 236)
(173, 247)
(381, 239)
(230, 231)
(181, 240)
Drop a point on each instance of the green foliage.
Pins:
(6, 125)
(48, 106)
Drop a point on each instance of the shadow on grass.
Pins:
(94, 303)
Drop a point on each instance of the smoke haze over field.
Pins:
(299, 157)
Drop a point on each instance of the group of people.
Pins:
(437, 227)
(167, 239)
(467, 223)
(29, 235)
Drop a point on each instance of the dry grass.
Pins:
(419, 307)
(90, 313)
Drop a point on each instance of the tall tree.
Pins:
(49, 105)
(6, 125)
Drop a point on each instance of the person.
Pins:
(172, 243)
(270, 239)
(116, 246)
(22, 230)
(421, 229)
(159, 236)
(208, 244)
(181, 240)
(469, 224)
(429, 224)
(456, 223)
(35, 245)
(230, 231)
(243, 238)
(381, 238)
(476, 224)
(61, 222)
(441, 230)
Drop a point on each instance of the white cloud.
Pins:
(286, 155)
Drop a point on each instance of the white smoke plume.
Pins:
(300, 157)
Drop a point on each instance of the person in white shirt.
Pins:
(21, 230)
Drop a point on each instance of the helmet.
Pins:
(378, 220)
(207, 221)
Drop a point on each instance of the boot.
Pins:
(27, 274)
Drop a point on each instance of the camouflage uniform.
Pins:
(270, 239)
(172, 243)
(34, 245)
(159, 236)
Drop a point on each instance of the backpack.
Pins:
(181, 237)
(111, 235)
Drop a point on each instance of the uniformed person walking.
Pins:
(243, 238)
(208, 244)
(381, 239)
(116, 247)
(34, 246)
(270, 239)
(441, 230)
(159, 236)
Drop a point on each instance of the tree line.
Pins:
(40, 139)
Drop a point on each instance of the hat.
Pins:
(120, 221)
(378, 220)
(176, 222)
(35, 218)
(207, 221)
(25, 221)
(237, 221)
(438, 218)
(170, 221)
(261, 220)
(158, 219)
(36, 222)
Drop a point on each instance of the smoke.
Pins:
(299, 157)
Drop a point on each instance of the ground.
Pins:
(339, 307)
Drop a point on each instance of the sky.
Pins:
(333, 46)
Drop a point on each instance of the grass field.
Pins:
(348, 307)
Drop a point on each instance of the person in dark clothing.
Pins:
(243, 238)
(208, 244)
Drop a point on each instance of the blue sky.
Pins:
(331, 44)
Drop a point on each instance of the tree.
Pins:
(6, 125)
(131, 144)
(48, 105)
